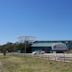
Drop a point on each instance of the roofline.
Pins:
(51, 40)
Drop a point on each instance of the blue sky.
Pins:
(44, 19)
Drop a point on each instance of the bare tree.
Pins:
(22, 39)
(26, 40)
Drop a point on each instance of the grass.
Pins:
(32, 64)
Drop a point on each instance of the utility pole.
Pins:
(25, 46)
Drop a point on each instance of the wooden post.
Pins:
(64, 57)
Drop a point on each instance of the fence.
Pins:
(56, 56)
(50, 56)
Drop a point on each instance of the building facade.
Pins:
(51, 46)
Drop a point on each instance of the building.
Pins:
(50, 46)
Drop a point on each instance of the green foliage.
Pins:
(15, 47)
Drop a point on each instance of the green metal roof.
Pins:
(42, 44)
(55, 46)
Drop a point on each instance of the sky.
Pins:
(43, 19)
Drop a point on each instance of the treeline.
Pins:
(16, 47)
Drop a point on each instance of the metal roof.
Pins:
(42, 44)
(55, 46)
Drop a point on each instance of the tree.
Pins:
(4, 50)
(27, 41)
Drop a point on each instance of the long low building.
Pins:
(49, 47)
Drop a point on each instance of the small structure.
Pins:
(49, 47)
(59, 47)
